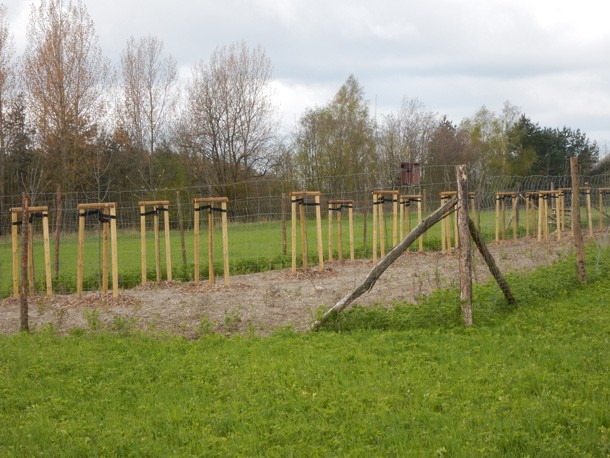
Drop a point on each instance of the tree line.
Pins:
(69, 117)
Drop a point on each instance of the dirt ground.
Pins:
(266, 301)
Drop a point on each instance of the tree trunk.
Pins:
(23, 299)
(491, 263)
(383, 264)
(465, 249)
(576, 229)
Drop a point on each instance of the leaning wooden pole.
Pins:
(576, 229)
(384, 263)
(23, 298)
(464, 247)
(491, 263)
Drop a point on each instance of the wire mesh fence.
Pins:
(259, 218)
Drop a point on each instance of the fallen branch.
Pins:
(491, 263)
(382, 265)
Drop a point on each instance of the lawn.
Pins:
(525, 381)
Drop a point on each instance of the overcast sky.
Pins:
(551, 58)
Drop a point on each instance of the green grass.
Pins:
(530, 380)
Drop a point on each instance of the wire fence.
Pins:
(259, 215)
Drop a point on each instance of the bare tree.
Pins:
(227, 128)
(150, 93)
(65, 75)
(404, 137)
(7, 88)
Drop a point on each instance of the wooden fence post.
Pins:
(464, 246)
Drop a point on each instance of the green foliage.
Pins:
(532, 383)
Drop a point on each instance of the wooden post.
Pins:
(497, 217)
(350, 217)
(284, 248)
(331, 208)
(293, 214)
(43, 213)
(104, 253)
(298, 204)
(107, 216)
(465, 251)
(81, 253)
(225, 241)
(578, 241)
(15, 248)
(379, 198)
(143, 243)
(157, 245)
(375, 203)
(23, 300)
(304, 250)
(406, 201)
(527, 214)
(168, 248)
(213, 204)
(196, 212)
(338, 206)
(181, 228)
(365, 214)
(158, 206)
(319, 232)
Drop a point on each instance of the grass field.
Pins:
(253, 247)
(525, 381)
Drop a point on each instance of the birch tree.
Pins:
(150, 93)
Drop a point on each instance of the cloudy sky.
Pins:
(551, 58)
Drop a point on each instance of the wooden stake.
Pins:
(293, 214)
(225, 241)
(211, 276)
(143, 244)
(114, 252)
(284, 247)
(15, 247)
(107, 212)
(157, 245)
(465, 251)
(181, 228)
(298, 204)
(214, 204)
(168, 247)
(319, 231)
(104, 252)
(375, 222)
(197, 211)
(81, 254)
